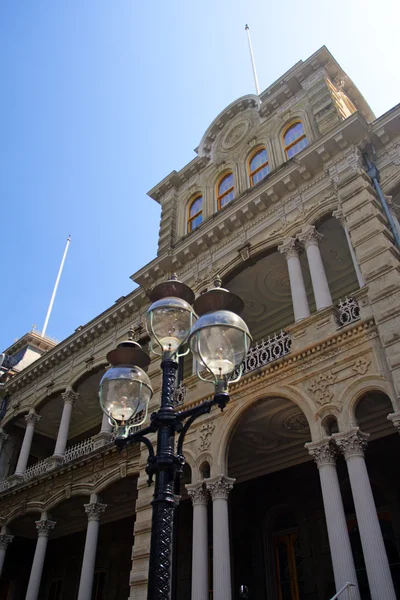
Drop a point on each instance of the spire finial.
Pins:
(253, 64)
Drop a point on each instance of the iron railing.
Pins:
(348, 311)
(266, 351)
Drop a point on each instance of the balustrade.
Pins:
(348, 311)
(265, 352)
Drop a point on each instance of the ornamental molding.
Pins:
(319, 387)
(198, 493)
(44, 527)
(352, 443)
(204, 435)
(70, 396)
(323, 452)
(220, 487)
(361, 365)
(95, 510)
(5, 540)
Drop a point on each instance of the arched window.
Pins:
(294, 139)
(225, 190)
(195, 216)
(258, 166)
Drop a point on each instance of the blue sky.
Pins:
(101, 99)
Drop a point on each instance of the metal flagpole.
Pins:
(253, 64)
(55, 287)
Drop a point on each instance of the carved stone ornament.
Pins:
(94, 510)
(395, 418)
(339, 216)
(319, 387)
(220, 487)
(44, 527)
(5, 540)
(323, 452)
(361, 365)
(244, 252)
(352, 443)
(289, 248)
(69, 396)
(198, 493)
(235, 135)
(296, 422)
(205, 433)
(32, 418)
(310, 236)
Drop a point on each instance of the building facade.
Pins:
(294, 490)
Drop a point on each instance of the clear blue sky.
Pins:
(101, 99)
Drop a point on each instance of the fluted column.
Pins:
(5, 541)
(31, 419)
(94, 511)
(344, 570)
(69, 397)
(44, 527)
(352, 444)
(311, 239)
(290, 250)
(395, 418)
(219, 488)
(199, 496)
(338, 214)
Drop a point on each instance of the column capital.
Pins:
(5, 540)
(323, 452)
(44, 527)
(220, 487)
(198, 493)
(395, 418)
(289, 248)
(352, 443)
(94, 510)
(309, 236)
(32, 418)
(69, 396)
(339, 216)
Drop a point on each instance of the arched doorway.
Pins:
(278, 533)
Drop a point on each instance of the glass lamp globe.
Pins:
(219, 341)
(169, 321)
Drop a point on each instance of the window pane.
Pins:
(258, 159)
(225, 184)
(226, 199)
(293, 133)
(261, 174)
(297, 147)
(196, 206)
(196, 222)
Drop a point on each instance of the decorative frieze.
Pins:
(352, 443)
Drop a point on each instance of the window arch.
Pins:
(195, 213)
(258, 166)
(225, 190)
(294, 139)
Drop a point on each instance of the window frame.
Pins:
(296, 141)
(190, 219)
(266, 164)
(228, 191)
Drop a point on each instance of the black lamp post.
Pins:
(219, 341)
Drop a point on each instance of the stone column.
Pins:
(290, 250)
(311, 239)
(220, 487)
(5, 541)
(352, 445)
(44, 527)
(338, 214)
(94, 510)
(69, 397)
(31, 419)
(344, 570)
(199, 497)
(395, 418)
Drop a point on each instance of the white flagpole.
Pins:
(253, 64)
(55, 287)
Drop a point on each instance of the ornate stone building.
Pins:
(293, 490)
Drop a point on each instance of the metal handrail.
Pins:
(346, 585)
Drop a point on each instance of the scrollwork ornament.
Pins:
(95, 510)
(323, 452)
(44, 527)
(352, 443)
(220, 487)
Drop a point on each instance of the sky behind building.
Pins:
(102, 99)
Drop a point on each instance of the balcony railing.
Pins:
(39, 468)
(80, 449)
(265, 352)
(348, 311)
